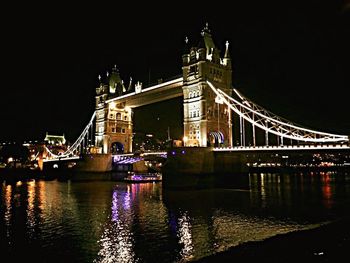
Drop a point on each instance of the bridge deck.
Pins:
(282, 148)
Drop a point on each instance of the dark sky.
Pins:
(292, 59)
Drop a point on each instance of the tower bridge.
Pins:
(205, 120)
(210, 102)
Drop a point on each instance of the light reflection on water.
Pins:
(116, 242)
(185, 237)
(8, 208)
(30, 208)
(118, 222)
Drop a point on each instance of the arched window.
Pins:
(119, 116)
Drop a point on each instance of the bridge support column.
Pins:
(229, 128)
(254, 141)
(240, 130)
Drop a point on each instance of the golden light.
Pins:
(112, 105)
(185, 139)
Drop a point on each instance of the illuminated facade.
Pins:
(113, 129)
(207, 121)
(55, 139)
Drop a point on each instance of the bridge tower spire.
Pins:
(206, 120)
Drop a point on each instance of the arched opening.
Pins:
(117, 148)
(215, 139)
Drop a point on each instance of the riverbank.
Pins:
(328, 243)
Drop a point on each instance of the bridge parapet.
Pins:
(283, 147)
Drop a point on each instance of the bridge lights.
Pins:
(112, 105)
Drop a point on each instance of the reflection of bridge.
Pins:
(211, 108)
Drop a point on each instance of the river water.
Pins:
(106, 221)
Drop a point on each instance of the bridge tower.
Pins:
(113, 132)
(206, 120)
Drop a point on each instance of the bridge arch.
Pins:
(216, 138)
(117, 148)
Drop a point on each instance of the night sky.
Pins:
(293, 60)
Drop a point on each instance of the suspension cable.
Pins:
(291, 130)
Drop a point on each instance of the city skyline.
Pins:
(293, 62)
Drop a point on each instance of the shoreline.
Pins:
(328, 243)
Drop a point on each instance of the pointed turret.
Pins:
(123, 87)
(206, 42)
(227, 58)
(227, 53)
(115, 83)
(187, 47)
(207, 39)
(186, 52)
(112, 80)
(101, 87)
(130, 85)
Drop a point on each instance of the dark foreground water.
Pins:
(53, 221)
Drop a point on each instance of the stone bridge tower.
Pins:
(206, 122)
(113, 132)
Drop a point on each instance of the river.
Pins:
(109, 221)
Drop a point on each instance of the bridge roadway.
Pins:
(70, 158)
(131, 157)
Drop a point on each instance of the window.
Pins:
(113, 129)
(119, 116)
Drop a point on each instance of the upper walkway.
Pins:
(153, 94)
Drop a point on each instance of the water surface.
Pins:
(104, 221)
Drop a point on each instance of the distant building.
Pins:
(55, 139)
